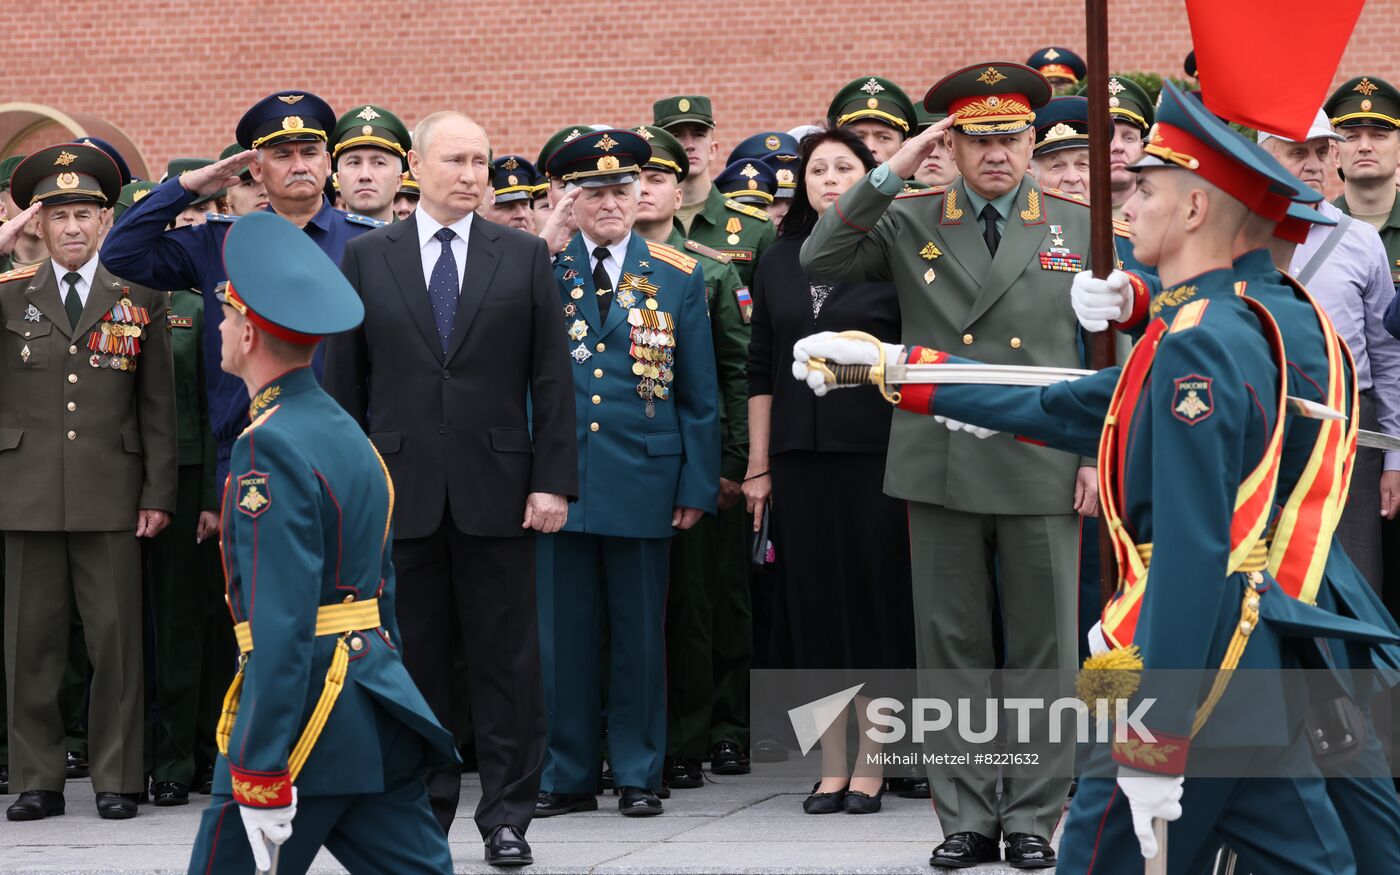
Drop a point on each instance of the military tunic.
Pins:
(738, 230)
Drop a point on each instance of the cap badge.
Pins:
(291, 122)
(871, 87)
(510, 164)
(993, 100)
(608, 162)
(289, 99)
(772, 143)
(748, 171)
(512, 180)
(1366, 106)
(872, 103)
(607, 143)
(368, 114)
(1114, 103)
(573, 135)
(684, 105)
(1115, 87)
(1051, 54)
(991, 76)
(753, 184)
(644, 133)
(785, 176)
(1366, 87)
(65, 158)
(1061, 130)
(67, 180)
(367, 130)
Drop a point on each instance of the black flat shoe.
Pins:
(167, 793)
(766, 750)
(824, 803)
(36, 805)
(1027, 851)
(204, 781)
(117, 806)
(75, 766)
(727, 758)
(505, 846)
(550, 804)
(638, 802)
(963, 849)
(863, 803)
(680, 773)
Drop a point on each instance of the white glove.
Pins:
(836, 350)
(1098, 644)
(1097, 302)
(974, 430)
(265, 825)
(1150, 796)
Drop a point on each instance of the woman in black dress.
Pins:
(841, 545)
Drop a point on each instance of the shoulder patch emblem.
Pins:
(254, 493)
(745, 300)
(357, 219)
(1192, 402)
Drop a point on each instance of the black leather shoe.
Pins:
(683, 774)
(36, 805)
(550, 804)
(766, 750)
(862, 803)
(1027, 851)
(505, 846)
(824, 803)
(4, 780)
(914, 788)
(117, 806)
(204, 781)
(638, 802)
(75, 766)
(727, 758)
(963, 849)
(170, 793)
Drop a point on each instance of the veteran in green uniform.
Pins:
(369, 153)
(738, 230)
(985, 266)
(709, 618)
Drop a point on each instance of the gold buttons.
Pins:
(72, 435)
(356, 644)
(967, 339)
(348, 599)
(72, 378)
(1015, 343)
(593, 426)
(597, 373)
(602, 347)
(72, 405)
(597, 399)
(72, 350)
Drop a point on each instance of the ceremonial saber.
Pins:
(1158, 864)
(274, 851)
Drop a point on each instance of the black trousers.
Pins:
(483, 589)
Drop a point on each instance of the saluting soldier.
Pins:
(709, 618)
(740, 231)
(284, 145)
(196, 212)
(369, 152)
(985, 267)
(324, 738)
(648, 447)
(87, 423)
(1061, 67)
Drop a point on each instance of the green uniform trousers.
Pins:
(47, 574)
(1037, 572)
(709, 636)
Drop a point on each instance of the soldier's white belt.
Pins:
(330, 620)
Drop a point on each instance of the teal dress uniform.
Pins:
(638, 459)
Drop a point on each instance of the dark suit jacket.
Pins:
(454, 430)
(848, 421)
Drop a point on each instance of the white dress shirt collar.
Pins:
(430, 249)
(87, 272)
(613, 265)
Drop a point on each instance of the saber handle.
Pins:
(858, 375)
(1158, 864)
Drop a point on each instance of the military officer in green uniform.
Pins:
(709, 619)
(1132, 113)
(738, 230)
(369, 153)
(324, 739)
(985, 266)
(878, 111)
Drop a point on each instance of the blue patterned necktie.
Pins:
(443, 287)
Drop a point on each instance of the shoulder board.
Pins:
(262, 418)
(1189, 316)
(20, 273)
(702, 249)
(938, 189)
(747, 210)
(357, 219)
(220, 217)
(674, 257)
(1121, 228)
(1066, 196)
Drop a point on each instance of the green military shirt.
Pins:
(185, 319)
(738, 230)
(727, 297)
(1390, 236)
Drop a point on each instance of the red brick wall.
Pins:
(176, 74)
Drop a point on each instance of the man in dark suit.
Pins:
(461, 328)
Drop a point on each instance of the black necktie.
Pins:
(72, 302)
(601, 282)
(989, 228)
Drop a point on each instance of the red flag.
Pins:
(1268, 64)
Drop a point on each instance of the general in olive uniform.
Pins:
(324, 738)
(88, 453)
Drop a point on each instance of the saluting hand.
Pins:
(912, 153)
(10, 231)
(545, 513)
(150, 522)
(561, 225)
(220, 174)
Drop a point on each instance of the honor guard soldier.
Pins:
(1132, 113)
(324, 738)
(1061, 67)
(878, 111)
(369, 150)
(985, 266)
(738, 230)
(649, 453)
(406, 200)
(284, 145)
(87, 422)
(248, 194)
(709, 618)
(513, 180)
(779, 151)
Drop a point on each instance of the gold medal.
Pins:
(638, 368)
(576, 294)
(651, 303)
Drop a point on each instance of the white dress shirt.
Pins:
(87, 272)
(430, 248)
(613, 266)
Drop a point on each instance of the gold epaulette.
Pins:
(925, 192)
(674, 257)
(747, 210)
(1066, 196)
(1121, 228)
(20, 273)
(1189, 316)
(706, 251)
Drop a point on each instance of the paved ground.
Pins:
(747, 824)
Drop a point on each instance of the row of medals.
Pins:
(652, 346)
(117, 341)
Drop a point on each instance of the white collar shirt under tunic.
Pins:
(430, 248)
(87, 272)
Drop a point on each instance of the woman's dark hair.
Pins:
(802, 216)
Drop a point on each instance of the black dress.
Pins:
(841, 545)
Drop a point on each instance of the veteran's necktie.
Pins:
(73, 302)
